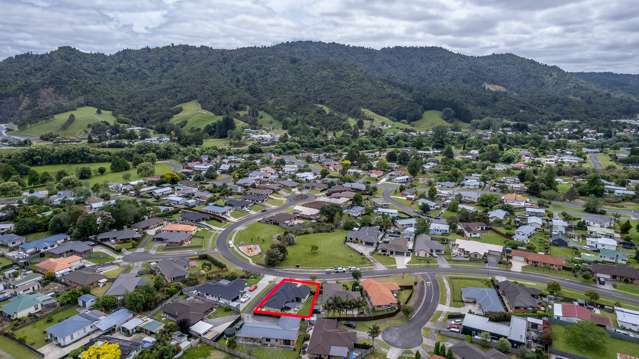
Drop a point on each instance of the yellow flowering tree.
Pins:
(102, 351)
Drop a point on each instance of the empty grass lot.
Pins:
(108, 176)
(84, 116)
(429, 120)
(457, 283)
(260, 234)
(492, 237)
(35, 335)
(331, 252)
(609, 349)
(15, 349)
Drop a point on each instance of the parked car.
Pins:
(252, 288)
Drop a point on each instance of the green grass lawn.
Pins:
(100, 291)
(275, 202)
(385, 260)
(268, 353)
(628, 288)
(260, 234)
(265, 120)
(457, 283)
(609, 351)
(216, 223)
(4, 261)
(238, 213)
(429, 120)
(605, 160)
(221, 311)
(35, 335)
(203, 351)
(160, 168)
(84, 116)
(194, 116)
(15, 349)
(216, 142)
(492, 237)
(99, 258)
(37, 235)
(398, 319)
(379, 120)
(562, 251)
(114, 273)
(332, 252)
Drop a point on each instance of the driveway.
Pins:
(401, 261)
(517, 264)
(409, 335)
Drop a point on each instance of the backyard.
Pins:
(15, 349)
(457, 283)
(610, 349)
(35, 335)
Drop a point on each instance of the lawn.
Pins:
(429, 120)
(215, 142)
(385, 260)
(492, 237)
(4, 261)
(216, 223)
(628, 288)
(100, 291)
(398, 319)
(265, 120)
(221, 311)
(275, 202)
(99, 258)
(108, 176)
(331, 252)
(609, 351)
(268, 353)
(114, 273)
(379, 120)
(203, 351)
(605, 160)
(16, 350)
(260, 234)
(84, 116)
(34, 334)
(238, 213)
(562, 251)
(457, 283)
(37, 235)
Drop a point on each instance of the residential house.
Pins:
(627, 319)
(288, 296)
(596, 220)
(191, 310)
(60, 266)
(390, 212)
(395, 247)
(523, 233)
(148, 224)
(439, 227)
(573, 313)
(518, 297)
(72, 248)
(11, 240)
(329, 341)
(174, 238)
(218, 210)
(267, 331)
(473, 229)
(194, 217)
(602, 243)
(222, 292)
(118, 236)
(613, 256)
(368, 236)
(539, 259)
(23, 305)
(535, 212)
(74, 328)
(24, 283)
(84, 278)
(474, 249)
(125, 284)
(464, 350)
(43, 244)
(619, 273)
(515, 200)
(380, 295)
(487, 299)
(515, 331)
(497, 215)
(425, 246)
(174, 269)
(602, 232)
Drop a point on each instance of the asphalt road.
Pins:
(595, 161)
(389, 189)
(409, 335)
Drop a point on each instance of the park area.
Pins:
(322, 250)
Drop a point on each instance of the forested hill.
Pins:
(623, 83)
(145, 85)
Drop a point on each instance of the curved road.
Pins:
(407, 335)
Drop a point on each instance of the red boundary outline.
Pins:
(258, 310)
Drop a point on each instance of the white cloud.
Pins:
(577, 35)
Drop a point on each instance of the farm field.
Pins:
(84, 116)
(160, 168)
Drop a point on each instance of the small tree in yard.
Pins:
(503, 345)
(373, 332)
(484, 339)
(591, 296)
(553, 288)
(314, 249)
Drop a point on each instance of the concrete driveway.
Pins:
(517, 264)
(401, 261)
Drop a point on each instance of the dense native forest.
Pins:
(144, 86)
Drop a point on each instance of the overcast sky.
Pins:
(587, 35)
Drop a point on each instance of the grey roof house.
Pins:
(11, 240)
(288, 296)
(124, 284)
(366, 235)
(175, 269)
(269, 331)
(223, 291)
(118, 235)
(74, 328)
(425, 246)
(487, 299)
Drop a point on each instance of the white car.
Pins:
(340, 270)
(245, 298)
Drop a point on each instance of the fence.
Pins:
(227, 350)
(35, 352)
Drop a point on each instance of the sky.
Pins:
(577, 35)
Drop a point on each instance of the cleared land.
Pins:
(331, 252)
(160, 168)
(430, 119)
(197, 117)
(84, 116)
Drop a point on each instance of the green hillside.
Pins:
(160, 169)
(194, 115)
(429, 120)
(84, 116)
(265, 120)
(379, 120)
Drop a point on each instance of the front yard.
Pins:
(35, 335)
(457, 283)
